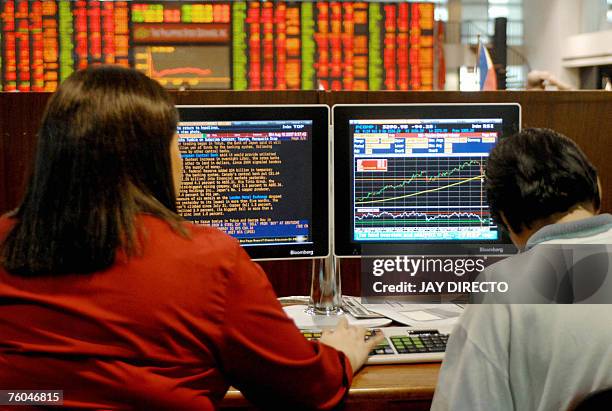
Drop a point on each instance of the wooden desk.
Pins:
(376, 387)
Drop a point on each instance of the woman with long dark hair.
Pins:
(107, 294)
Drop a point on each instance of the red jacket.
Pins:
(170, 329)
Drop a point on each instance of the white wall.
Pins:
(547, 24)
(594, 16)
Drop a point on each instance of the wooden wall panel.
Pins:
(20, 116)
(4, 135)
(585, 116)
(246, 97)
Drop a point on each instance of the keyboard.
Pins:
(402, 345)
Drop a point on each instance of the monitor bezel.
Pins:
(320, 116)
(344, 245)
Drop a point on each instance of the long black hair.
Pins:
(103, 156)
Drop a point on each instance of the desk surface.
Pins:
(379, 387)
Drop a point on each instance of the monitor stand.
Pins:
(324, 308)
(325, 287)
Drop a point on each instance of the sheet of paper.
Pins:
(307, 321)
(420, 316)
(440, 316)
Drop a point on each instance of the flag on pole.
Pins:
(488, 78)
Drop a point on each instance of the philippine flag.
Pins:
(488, 78)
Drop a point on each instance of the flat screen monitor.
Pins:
(260, 174)
(409, 179)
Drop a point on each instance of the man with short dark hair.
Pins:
(539, 177)
(511, 356)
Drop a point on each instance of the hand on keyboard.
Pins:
(351, 341)
(400, 345)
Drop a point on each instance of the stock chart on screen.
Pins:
(197, 67)
(422, 180)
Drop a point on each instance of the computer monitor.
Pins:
(260, 174)
(409, 179)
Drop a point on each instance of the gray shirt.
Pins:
(530, 357)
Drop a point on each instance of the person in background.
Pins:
(543, 80)
(107, 294)
(507, 356)
(606, 83)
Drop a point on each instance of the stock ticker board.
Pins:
(244, 45)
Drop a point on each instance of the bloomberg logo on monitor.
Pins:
(301, 252)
